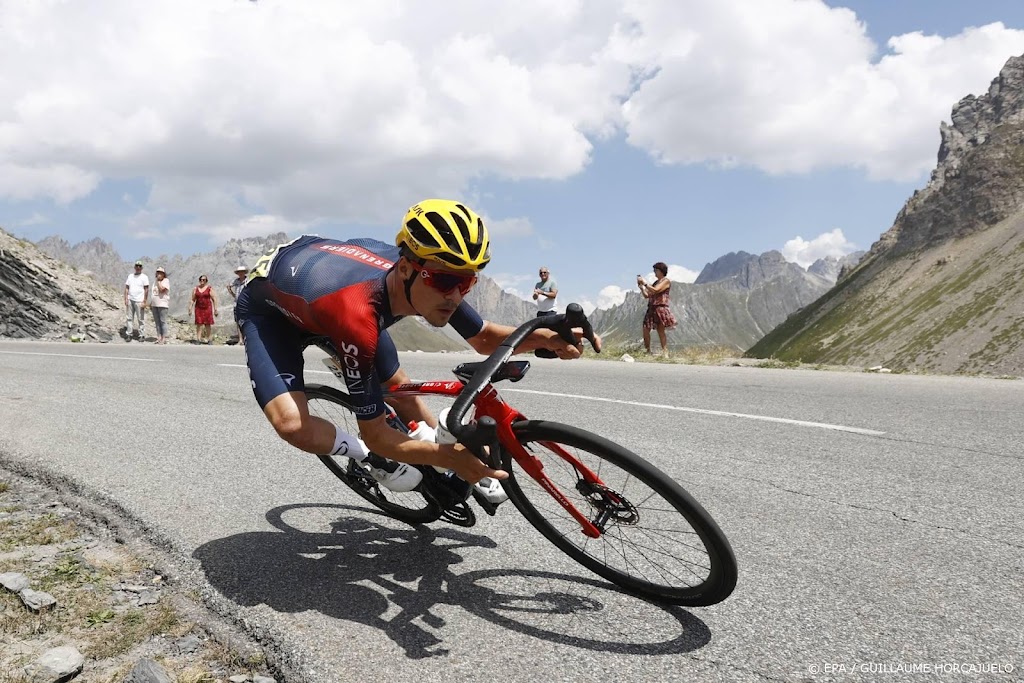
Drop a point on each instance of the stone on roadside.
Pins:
(626, 358)
(148, 597)
(240, 678)
(148, 671)
(36, 600)
(188, 644)
(57, 664)
(14, 581)
(263, 679)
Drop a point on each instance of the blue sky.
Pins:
(595, 142)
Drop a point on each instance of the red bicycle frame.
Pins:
(490, 404)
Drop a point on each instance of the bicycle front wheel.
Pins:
(334, 406)
(656, 541)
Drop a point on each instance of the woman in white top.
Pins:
(161, 304)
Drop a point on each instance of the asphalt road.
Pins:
(876, 520)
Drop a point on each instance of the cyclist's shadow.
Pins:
(360, 568)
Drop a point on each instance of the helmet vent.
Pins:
(445, 231)
(421, 234)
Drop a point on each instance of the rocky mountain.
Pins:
(943, 289)
(831, 267)
(42, 298)
(497, 305)
(93, 257)
(733, 302)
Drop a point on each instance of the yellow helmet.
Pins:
(446, 231)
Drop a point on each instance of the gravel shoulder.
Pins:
(83, 599)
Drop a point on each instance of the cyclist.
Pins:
(350, 292)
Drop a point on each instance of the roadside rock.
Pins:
(55, 665)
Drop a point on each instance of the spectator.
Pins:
(545, 293)
(234, 288)
(204, 301)
(160, 305)
(136, 293)
(659, 315)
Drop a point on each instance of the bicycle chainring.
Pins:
(460, 515)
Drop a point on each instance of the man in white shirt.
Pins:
(136, 294)
(544, 293)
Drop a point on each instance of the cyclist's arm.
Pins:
(492, 335)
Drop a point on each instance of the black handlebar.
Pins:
(484, 433)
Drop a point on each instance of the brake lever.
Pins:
(573, 317)
(483, 433)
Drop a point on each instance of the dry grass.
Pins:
(686, 355)
(45, 530)
(93, 613)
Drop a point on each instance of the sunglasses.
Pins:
(446, 282)
(202, 279)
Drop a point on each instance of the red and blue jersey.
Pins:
(328, 288)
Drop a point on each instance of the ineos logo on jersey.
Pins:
(349, 358)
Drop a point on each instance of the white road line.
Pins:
(82, 355)
(304, 372)
(703, 411)
(662, 406)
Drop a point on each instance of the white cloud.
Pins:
(805, 252)
(789, 86)
(609, 296)
(345, 111)
(311, 110)
(681, 273)
(249, 226)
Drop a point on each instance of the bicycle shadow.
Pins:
(360, 570)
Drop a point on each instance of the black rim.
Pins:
(656, 540)
(330, 404)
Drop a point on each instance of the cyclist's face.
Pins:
(427, 295)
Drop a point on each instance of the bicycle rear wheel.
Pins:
(656, 540)
(334, 406)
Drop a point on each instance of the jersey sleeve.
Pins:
(466, 321)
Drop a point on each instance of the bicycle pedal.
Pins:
(481, 500)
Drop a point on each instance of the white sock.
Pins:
(346, 444)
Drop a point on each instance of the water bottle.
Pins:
(421, 431)
(443, 435)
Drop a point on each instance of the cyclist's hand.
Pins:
(468, 466)
(567, 351)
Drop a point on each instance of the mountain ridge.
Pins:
(941, 289)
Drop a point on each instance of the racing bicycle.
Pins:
(601, 504)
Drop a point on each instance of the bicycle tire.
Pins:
(703, 573)
(334, 406)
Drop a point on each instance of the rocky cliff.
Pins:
(943, 289)
(42, 298)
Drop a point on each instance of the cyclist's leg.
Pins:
(273, 354)
(388, 369)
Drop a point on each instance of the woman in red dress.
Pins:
(659, 315)
(204, 301)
